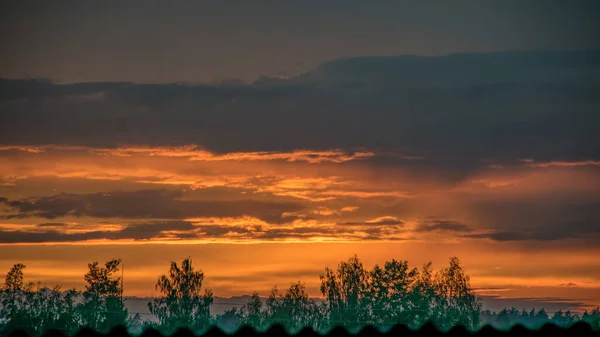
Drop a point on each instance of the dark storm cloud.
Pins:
(197, 41)
(149, 204)
(544, 229)
(550, 231)
(452, 111)
(442, 225)
(548, 217)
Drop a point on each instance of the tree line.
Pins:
(352, 296)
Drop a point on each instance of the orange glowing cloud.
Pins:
(194, 153)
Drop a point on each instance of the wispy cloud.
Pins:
(532, 163)
(195, 153)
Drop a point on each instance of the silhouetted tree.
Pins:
(252, 312)
(345, 291)
(389, 293)
(592, 318)
(395, 294)
(181, 303)
(564, 319)
(34, 308)
(422, 297)
(230, 320)
(507, 318)
(14, 278)
(14, 300)
(294, 309)
(102, 307)
(456, 304)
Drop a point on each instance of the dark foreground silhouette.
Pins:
(387, 297)
(577, 329)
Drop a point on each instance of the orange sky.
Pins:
(401, 130)
(254, 220)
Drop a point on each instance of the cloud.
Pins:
(222, 231)
(51, 224)
(145, 231)
(451, 111)
(136, 231)
(570, 284)
(299, 147)
(147, 204)
(382, 221)
(536, 215)
(194, 153)
(442, 225)
(563, 163)
(587, 230)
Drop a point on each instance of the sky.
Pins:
(268, 140)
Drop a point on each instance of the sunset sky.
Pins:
(270, 139)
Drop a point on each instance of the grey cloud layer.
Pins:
(456, 109)
(539, 218)
(183, 230)
(442, 225)
(147, 204)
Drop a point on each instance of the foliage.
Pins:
(353, 296)
(252, 312)
(102, 307)
(533, 319)
(294, 310)
(35, 309)
(592, 318)
(181, 303)
(345, 291)
(230, 320)
(455, 303)
(395, 294)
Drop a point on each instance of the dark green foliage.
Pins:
(353, 298)
(102, 307)
(181, 303)
(34, 309)
(533, 319)
(592, 318)
(37, 309)
(398, 294)
(252, 312)
(345, 291)
(455, 303)
(293, 310)
(230, 320)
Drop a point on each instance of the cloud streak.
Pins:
(147, 204)
(194, 153)
(223, 231)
